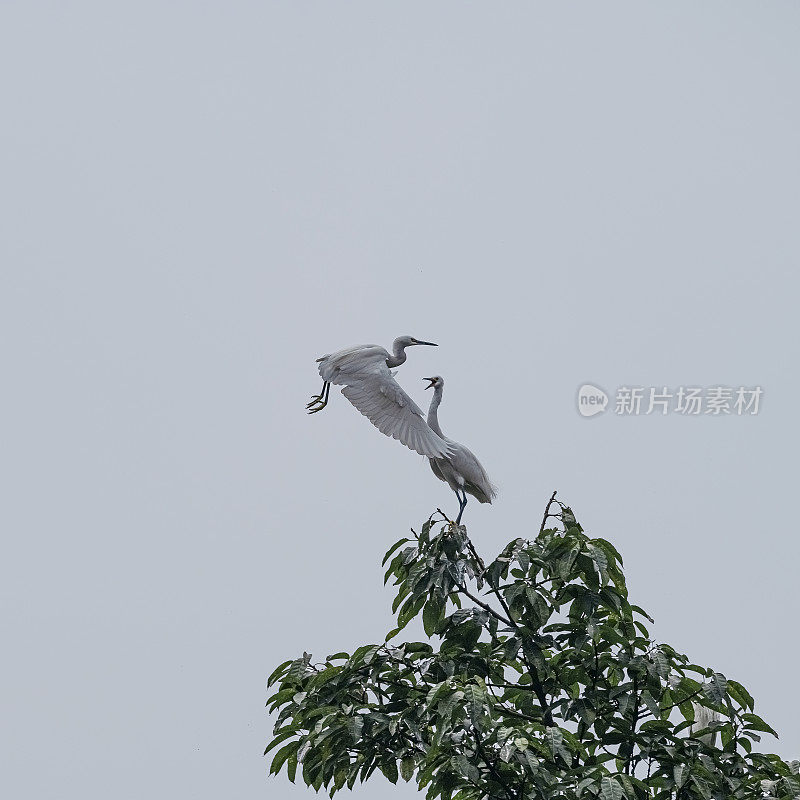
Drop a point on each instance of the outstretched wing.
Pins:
(384, 403)
(371, 388)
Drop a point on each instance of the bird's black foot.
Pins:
(319, 401)
(317, 404)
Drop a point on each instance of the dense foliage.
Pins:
(546, 684)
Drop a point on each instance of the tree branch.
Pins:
(498, 777)
(496, 614)
(547, 513)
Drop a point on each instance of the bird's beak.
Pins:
(432, 382)
(432, 344)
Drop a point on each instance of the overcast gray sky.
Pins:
(199, 199)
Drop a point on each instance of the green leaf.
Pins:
(297, 671)
(448, 703)
(354, 726)
(281, 697)
(532, 762)
(600, 559)
(662, 665)
(389, 768)
(475, 697)
(426, 530)
(370, 653)
(652, 705)
(792, 784)
(642, 612)
(432, 614)
(278, 671)
(755, 723)
(510, 648)
(392, 633)
(627, 785)
(554, 738)
(394, 547)
(337, 656)
(716, 688)
(740, 694)
(279, 737)
(702, 787)
(611, 551)
(465, 768)
(402, 593)
(507, 750)
(610, 790)
(282, 755)
(409, 610)
(407, 766)
(687, 710)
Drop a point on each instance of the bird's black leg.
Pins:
(319, 401)
(462, 504)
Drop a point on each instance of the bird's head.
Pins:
(408, 341)
(436, 382)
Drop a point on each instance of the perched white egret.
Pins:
(460, 470)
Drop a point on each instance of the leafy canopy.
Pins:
(546, 684)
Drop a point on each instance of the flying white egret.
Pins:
(460, 470)
(369, 384)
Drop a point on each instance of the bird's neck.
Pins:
(433, 412)
(398, 355)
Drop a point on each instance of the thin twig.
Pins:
(494, 612)
(446, 518)
(489, 764)
(547, 513)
